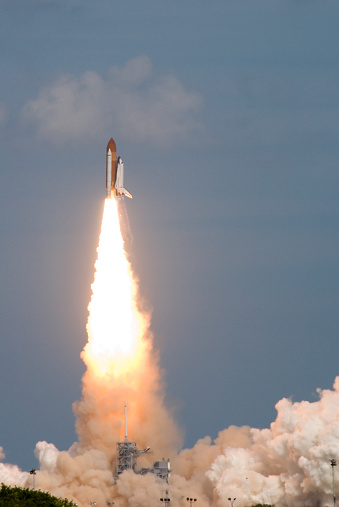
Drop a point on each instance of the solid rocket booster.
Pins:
(114, 173)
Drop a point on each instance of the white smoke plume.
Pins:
(286, 465)
(11, 474)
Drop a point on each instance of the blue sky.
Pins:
(226, 116)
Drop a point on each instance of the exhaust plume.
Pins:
(122, 368)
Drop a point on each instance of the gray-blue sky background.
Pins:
(226, 116)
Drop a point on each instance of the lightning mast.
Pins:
(126, 437)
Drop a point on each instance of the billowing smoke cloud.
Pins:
(286, 465)
(131, 101)
(11, 474)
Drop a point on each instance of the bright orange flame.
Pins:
(115, 326)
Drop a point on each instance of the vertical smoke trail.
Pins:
(122, 367)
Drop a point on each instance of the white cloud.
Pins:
(131, 101)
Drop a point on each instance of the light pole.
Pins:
(232, 500)
(33, 472)
(191, 500)
(166, 499)
(333, 464)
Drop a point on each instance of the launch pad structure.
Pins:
(127, 455)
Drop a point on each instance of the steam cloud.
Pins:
(287, 464)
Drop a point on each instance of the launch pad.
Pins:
(127, 455)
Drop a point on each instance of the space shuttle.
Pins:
(114, 173)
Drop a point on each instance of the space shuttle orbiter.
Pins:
(114, 173)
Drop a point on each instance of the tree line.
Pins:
(19, 497)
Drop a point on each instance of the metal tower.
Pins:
(127, 453)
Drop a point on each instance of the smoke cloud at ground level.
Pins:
(287, 464)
